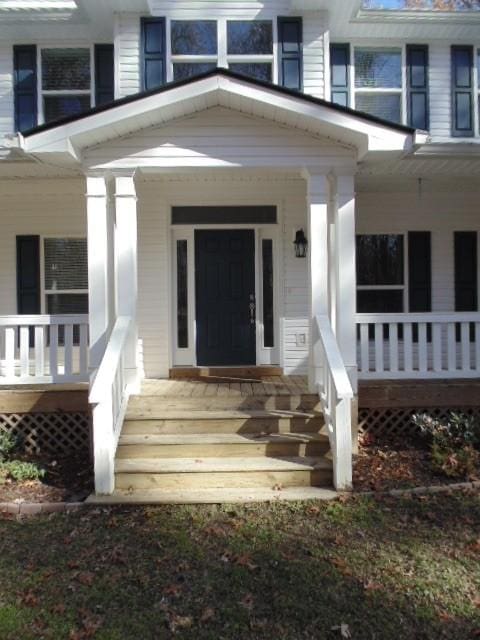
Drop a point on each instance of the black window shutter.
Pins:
(290, 53)
(153, 53)
(465, 258)
(417, 86)
(28, 274)
(339, 73)
(25, 86)
(462, 91)
(419, 271)
(104, 74)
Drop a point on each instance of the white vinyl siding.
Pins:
(315, 46)
(6, 91)
(127, 54)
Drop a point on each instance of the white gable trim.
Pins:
(70, 139)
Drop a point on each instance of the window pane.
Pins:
(65, 263)
(55, 107)
(253, 37)
(194, 37)
(183, 70)
(267, 283)
(386, 106)
(386, 301)
(65, 69)
(378, 68)
(379, 259)
(258, 70)
(182, 294)
(64, 303)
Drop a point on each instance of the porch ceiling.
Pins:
(65, 142)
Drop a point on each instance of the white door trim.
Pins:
(264, 355)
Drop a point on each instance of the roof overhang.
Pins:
(67, 139)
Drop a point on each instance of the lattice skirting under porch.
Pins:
(397, 422)
(58, 433)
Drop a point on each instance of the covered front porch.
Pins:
(228, 147)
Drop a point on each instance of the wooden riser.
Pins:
(196, 425)
(200, 450)
(196, 481)
(234, 373)
(155, 406)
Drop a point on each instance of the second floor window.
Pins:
(65, 82)
(244, 46)
(378, 82)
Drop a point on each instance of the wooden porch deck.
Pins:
(211, 386)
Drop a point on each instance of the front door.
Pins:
(225, 297)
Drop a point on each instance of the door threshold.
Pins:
(234, 372)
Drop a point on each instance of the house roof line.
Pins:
(227, 73)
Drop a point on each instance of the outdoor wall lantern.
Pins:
(301, 244)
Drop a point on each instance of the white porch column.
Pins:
(317, 234)
(98, 238)
(126, 265)
(345, 274)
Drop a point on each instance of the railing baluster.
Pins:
(437, 346)
(68, 350)
(379, 363)
(465, 342)
(53, 350)
(364, 348)
(83, 349)
(451, 347)
(477, 346)
(39, 351)
(393, 347)
(24, 352)
(407, 348)
(422, 347)
(10, 335)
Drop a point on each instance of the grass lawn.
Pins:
(390, 568)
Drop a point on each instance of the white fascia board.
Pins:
(345, 128)
(452, 149)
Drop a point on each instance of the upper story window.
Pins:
(378, 82)
(244, 46)
(387, 82)
(66, 81)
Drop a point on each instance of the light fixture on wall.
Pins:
(301, 244)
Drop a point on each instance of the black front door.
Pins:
(225, 291)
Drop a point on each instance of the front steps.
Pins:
(230, 448)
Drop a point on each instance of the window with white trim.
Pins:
(65, 275)
(244, 46)
(381, 273)
(378, 86)
(65, 81)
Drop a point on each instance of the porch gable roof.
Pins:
(69, 136)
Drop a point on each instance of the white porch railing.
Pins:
(43, 349)
(336, 394)
(418, 345)
(109, 397)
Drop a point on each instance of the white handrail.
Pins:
(418, 345)
(109, 396)
(336, 394)
(38, 349)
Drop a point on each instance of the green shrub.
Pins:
(20, 471)
(454, 443)
(8, 443)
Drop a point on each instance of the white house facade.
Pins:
(286, 186)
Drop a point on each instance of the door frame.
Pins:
(264, 355)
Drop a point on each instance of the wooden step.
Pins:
(235, 373)
(145, 406)
(207, 473)
(225, 422)
(221, 445)
(215, 496)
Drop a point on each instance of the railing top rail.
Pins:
(108, 367)
(42, 320)
(428, 317)
(334, 358)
